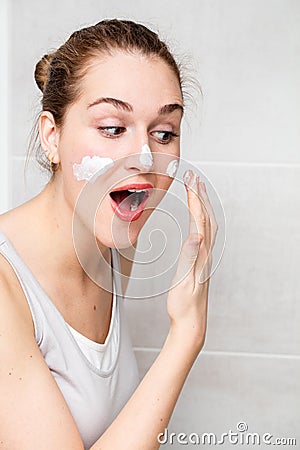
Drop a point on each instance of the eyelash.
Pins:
(111, 128)
(171, 134)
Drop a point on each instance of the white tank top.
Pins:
(95, 379)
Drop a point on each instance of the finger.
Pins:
(204, 219)
(194, 203)
(210, 212)
(197, 232)
(190, 248)
(204, 261)
(204, 224)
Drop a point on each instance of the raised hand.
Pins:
(188, 297)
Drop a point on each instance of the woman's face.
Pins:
(122, 112)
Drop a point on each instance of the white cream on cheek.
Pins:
(172, 168)
(146, 158)
(90, 165)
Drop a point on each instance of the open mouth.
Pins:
(128, 201)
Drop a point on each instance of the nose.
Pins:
(141, 160)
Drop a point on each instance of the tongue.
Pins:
(126, 200)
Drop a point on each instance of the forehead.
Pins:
(133, 77)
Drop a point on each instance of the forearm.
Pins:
(148, 411)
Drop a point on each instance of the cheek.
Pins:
(91, 166)
(163, 182)
(81, 152)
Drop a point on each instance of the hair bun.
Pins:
(42, 71)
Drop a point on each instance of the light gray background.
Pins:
(245, 137)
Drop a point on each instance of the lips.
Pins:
(128, 202)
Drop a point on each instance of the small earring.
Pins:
(53, 166)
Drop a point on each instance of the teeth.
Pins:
(137, 198)
(134, 206)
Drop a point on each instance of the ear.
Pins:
(49, 136)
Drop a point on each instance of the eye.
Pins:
(112, 131)
(165, 137)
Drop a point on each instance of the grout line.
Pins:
(227, 353)
(252, 354)
(220, 163)
(249, 164)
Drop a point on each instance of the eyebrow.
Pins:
(120, 104)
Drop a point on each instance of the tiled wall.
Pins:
(245, 138)
(249, 369)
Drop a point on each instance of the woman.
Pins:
(68, 376)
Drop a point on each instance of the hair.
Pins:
(59, 73)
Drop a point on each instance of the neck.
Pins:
(75, 251)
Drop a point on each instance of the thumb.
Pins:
(190, 246)
(188, 255)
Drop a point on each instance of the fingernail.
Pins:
(202, 185)
(189, 179)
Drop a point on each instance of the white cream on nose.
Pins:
(146, 158)
(90, 165)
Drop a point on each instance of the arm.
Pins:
(148, 411)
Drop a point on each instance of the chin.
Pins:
(121, 217)
(121, 233)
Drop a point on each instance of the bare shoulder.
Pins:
(12, 297)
